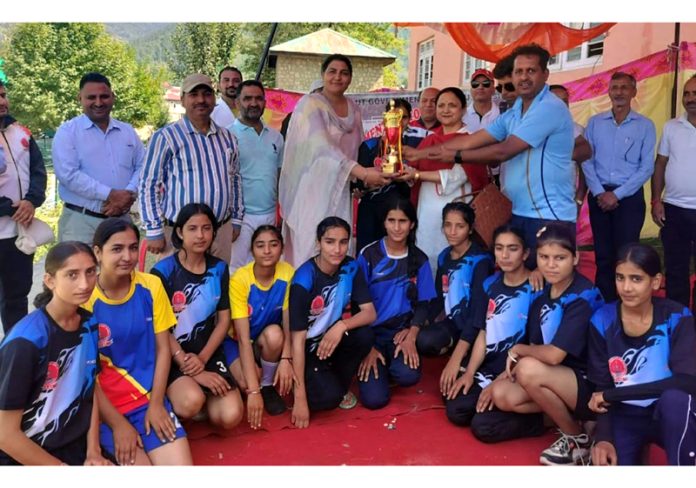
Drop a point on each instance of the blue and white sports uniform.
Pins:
(505, 324)
(635, 375)
(318, 300)
(49, 373)
(196, 299)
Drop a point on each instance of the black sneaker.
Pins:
(272, 402)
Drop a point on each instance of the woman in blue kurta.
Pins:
(196, 283)
(642, 361)
(401, 284)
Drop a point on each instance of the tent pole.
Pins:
(262, 62)
(675, 87)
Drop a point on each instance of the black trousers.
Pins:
(679, 241)
(611, 231)
(328, 380)
(16, 276)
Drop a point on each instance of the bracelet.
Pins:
(177, 353)
(512, 358)
(365, 174)
(253, 392)
(656, 200)
(416, 177)
(287, 359)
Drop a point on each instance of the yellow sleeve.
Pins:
(240, 285)
(286, 274)
(163, 315)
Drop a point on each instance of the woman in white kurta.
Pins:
(320, 159)
(440, 183)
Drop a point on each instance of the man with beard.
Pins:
(192, 160)
(623, 142)
(260, 159)
(226, 107)
(97, 160)
(675, 211)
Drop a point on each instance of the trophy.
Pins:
(391, 156)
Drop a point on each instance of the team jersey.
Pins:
(459, 284)
(127, 350)
(318, 300)
(564, 321)
(667, 348)
(262, 305)
(388, 281)
(195, 298)
(505, 324)
(49, 374)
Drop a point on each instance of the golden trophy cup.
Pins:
(392, 162)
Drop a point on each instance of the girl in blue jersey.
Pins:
(326, 347)
(134, 315)
(462, 268)
(548, 375)
(197, 286)
(259, 293)
(642, 361)
(48, 367)
(400, 281)
(508, 295)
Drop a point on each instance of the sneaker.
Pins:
(272, 402)
(567, 450)
(349, 401)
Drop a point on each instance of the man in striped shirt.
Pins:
(192, 161)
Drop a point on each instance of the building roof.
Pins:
(327, 41)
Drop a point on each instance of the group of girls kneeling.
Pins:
(189, 343)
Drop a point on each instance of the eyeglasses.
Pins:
(507, 86)
(484, 83)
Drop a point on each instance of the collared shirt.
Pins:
(540, 181)
(436, 127)
(475, 122)
(622, 155)
(185, 166)
(678, 143)
(89, 163)
(222, 114)
(260, 159)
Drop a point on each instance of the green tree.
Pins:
(202, 48)
(253, 37)
(44, 63)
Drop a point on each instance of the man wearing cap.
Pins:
(260, 159)
(22, 189)
(192, 161)
(482, 112)
(226, 107)
(97, 160)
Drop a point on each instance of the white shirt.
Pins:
(578, 130)
(222, 114)
(678, 143)
(474, 122)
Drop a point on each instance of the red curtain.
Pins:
(494, 41)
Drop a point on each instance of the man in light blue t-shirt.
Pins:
(260, 159)
(533, 140)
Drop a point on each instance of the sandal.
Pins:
(349, 401)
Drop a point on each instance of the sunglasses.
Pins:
(484, 83)
(508, 87)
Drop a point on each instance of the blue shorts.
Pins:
(231, 348)
(136, 418)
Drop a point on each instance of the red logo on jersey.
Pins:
(52, 375)
(491, 308)
(178, 301)
(618, 369)
(445, 283)
(250, 310)
(317, 305)
(105, 339)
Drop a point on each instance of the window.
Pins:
(426, 50)
(471, 64)
(589, 53)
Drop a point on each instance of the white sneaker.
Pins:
(567, 450)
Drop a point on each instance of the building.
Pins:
(172, 97)
(297, 63)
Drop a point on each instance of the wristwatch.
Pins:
(458, 157)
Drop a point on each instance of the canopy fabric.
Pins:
(494, 41)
